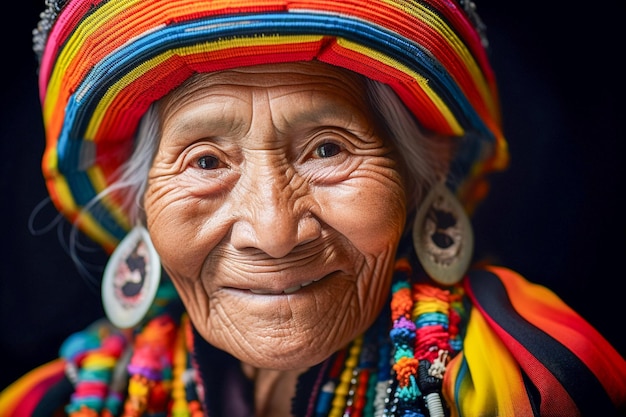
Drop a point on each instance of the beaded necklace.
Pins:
(398, 372)
(92, 359)
(153, 376)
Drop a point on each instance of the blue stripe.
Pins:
(195, 32)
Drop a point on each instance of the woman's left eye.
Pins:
(327, 150)
(208, 162)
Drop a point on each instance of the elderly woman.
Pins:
(283, 188)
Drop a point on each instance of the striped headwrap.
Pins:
(102, 64)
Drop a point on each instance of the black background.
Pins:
(556, 215)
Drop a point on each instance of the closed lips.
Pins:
(289, 290)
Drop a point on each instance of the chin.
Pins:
(303, 359)
(288, 347)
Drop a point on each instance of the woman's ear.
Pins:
(442, 236)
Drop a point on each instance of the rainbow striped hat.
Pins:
(102, 63)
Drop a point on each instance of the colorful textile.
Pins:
(524, 346)
(26, 394)
(105, 62)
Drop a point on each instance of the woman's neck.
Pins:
(273, 390)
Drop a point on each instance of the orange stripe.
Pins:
(405, 86)
(544, 309)
(171, 73)
(20, 398)
(110, 34)
(423, 33)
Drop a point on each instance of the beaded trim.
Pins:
(425, 337)
(46, 19)
(470, 10)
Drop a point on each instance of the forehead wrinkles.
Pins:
(295, 99)
(316, 106)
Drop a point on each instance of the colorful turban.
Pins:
(103, 63)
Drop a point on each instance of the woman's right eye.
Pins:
(327, 150)
(208, 162)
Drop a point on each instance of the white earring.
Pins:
(442, 236)
(131, 279)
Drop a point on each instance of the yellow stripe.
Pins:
(97, 232)
(426, 15)
(75, 42)
(431, 306)
(207, 47)
(12, 396)
(422, 82)
(99, 360)
(65, 196)
(99, 182)
(495, 381)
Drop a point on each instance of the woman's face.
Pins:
(276, 207)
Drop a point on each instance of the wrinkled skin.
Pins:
(276, 207)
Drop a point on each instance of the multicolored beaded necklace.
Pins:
(393, 370)
(399, 372)
(143, 372)
(155, 373)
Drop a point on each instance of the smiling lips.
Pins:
(289, 290)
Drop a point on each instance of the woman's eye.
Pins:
(208, 162)
(326, 150)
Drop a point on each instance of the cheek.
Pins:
(179, 228)
(370, 213)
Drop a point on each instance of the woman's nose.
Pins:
(274, 215)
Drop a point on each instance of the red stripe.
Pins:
(570, 329)
(560, 402)
(26, 404)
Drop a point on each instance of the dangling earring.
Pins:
(131, 279)
(442, 236)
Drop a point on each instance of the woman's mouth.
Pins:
(290, 290)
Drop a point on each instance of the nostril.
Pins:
(276, 238)
(242, 236)
(309, 229)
